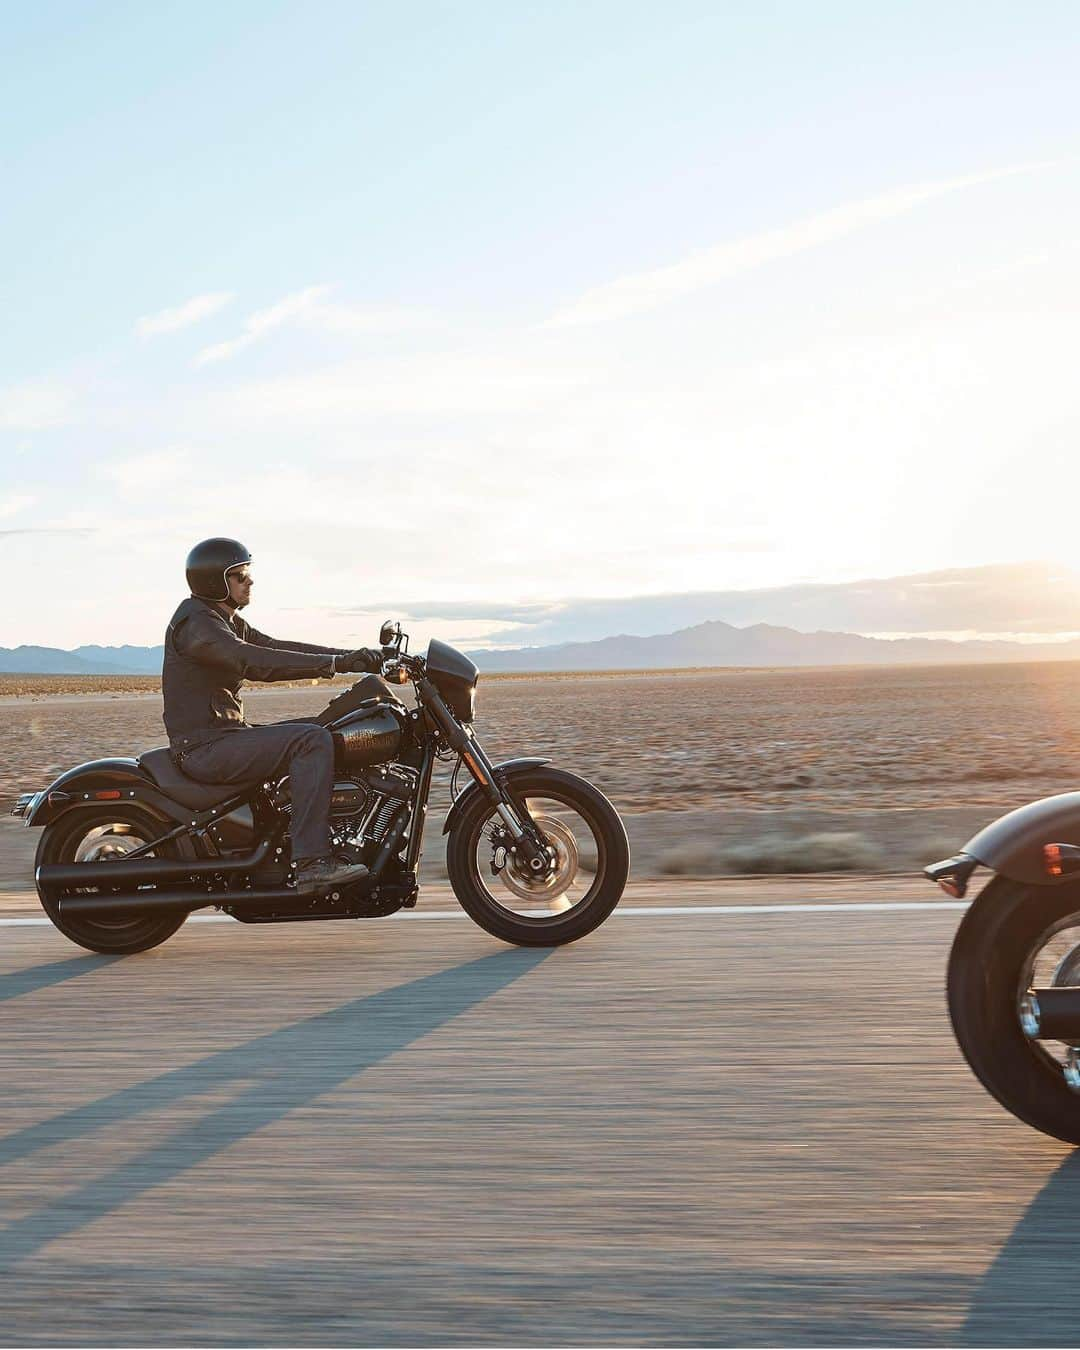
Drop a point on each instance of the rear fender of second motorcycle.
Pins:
(85, 786)
(1013, 844)
(463, 799)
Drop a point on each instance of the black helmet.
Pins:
(207, 564)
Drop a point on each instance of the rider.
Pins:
(209, 650)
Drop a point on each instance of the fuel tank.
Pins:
(367, 736)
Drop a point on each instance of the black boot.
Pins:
(316, 875)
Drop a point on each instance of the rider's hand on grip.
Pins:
(363, 659)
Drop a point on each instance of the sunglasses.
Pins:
(244, 578)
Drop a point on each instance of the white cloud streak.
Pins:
(192, 311)
(260, 323)
(646, 290)
(311, 309)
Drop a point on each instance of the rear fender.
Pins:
(464, 799)
(75, 789)
(1013, 844)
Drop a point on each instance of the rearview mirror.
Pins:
(388, 632)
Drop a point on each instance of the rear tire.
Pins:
(604, 894)
(989, 962)
(77, 831)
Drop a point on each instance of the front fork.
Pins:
(529, 843)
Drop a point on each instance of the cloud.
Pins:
(12, 505)
(311, 309)
(466, 609)
(1009, 600)
(707, 267)
(260, 323)
(35, 406)
(192, 311)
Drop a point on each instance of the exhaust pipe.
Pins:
(178, 902)
(120, 872)
(1052, 1014)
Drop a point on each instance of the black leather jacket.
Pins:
(206, 658)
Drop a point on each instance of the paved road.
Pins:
(705, 1128)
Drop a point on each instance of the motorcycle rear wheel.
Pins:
(608, 863)
(990, 966)
(89, 835)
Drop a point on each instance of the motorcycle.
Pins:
(1014, 969)
(535, 855)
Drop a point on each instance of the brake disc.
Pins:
(527, 885)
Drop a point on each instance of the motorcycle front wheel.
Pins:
(96, 836)
(586, 882)
(1015, 937)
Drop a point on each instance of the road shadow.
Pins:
(52, 972)
(1028, 1295)
(271, 1074)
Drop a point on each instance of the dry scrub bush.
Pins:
(835, 851)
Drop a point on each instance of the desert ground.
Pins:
(715, 772)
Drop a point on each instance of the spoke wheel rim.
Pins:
(580, 855)
(109, 842)
(1052, 960)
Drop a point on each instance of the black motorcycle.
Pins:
(1014, 969)
(535, 855)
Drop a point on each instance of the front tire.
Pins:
(92, 836)
(990, 967)
(604, 856)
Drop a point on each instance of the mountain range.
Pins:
(81, 661)
(722, 644)
(712, 643)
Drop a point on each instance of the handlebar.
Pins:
(398, 667)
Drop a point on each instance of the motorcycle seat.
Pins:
(158, 764)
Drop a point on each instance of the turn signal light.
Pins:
(1061, 860)
(474, 764)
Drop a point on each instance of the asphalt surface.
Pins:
(702, 1128)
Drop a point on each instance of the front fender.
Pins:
(462, 800)
(1013, 844)
(76, 787)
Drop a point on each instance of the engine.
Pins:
(363, 809)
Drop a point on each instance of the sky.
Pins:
(496, 312)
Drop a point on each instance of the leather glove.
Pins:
(363, 659)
